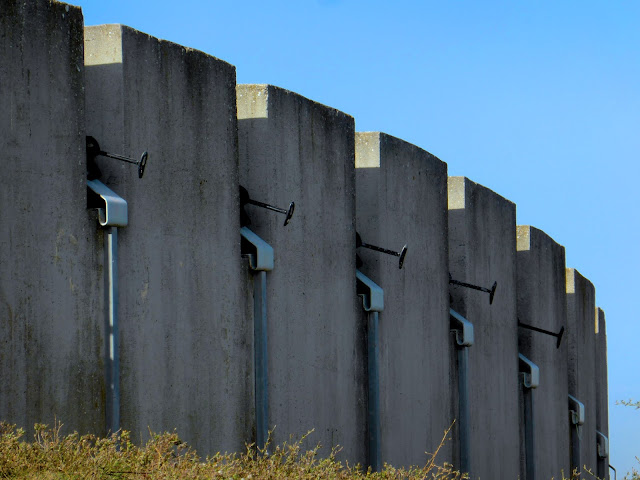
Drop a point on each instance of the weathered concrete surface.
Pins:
(581, 340)
(542, 303)
(292, 149)
(402, 199)
(602, 387)
(50, 362)
(186, 342)
(482, 250)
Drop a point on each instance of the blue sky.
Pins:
(537, 100)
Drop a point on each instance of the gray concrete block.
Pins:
(186, 342)
(581, 342)
(293, 149)
(50, 363)
(602, 389)
(482, 250)
(542, 304)
(402, 199)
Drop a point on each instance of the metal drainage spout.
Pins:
(372, 302)
(112, 213)
(261, 260)
(577, 415)
(530, 379)
(603, 453)
(463, 332)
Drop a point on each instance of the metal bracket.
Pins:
(491, 291)
(530, 371)
(114, 211)
(372, 294)
(576, 407)
(259, 252)
(462, 328)
(603, 444)
(402, 253)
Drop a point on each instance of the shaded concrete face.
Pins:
(581, 342)
(292, 149)
(402, 199)
(602, 385)
(186, 343)
(482, 250)
(50, 362)
(542, 303)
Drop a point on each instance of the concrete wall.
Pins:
(50, 361)
(602, 396)
(542, 303)
(482, 250)
(581, 340)
(186, 342)
(293, 149)
(402, 199)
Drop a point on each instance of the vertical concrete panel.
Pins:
(50, 363)
(581, 340)
(292, 149)
(185, 338)
(482, 250)
(542, 304)
(402, 199)
(602, 388)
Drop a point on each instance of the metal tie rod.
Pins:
(244, 199)
(546, 332)
(93, 150)
(402, 253)
(491, 291)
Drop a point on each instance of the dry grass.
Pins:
(53, 456)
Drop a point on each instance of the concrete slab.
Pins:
(482, 250)
(186, 345)
(293, 149)
(402, 199)
(581, 342)
(602, 390)
(50, 362)
(542, 304)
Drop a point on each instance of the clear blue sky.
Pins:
(537, 100)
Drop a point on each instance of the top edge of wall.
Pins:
(246, 90)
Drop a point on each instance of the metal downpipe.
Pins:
(464, 409)
(112, 349)
(260, 359)
(529, 439)
(374, 392)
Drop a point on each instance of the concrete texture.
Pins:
(581, 342)
(402, 199)
(186, 344)
(542, 303)
(292, 149)
(602, 387)
(482, 250)
(50, 360)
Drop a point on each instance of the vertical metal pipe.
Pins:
(260, 359)
(575, 447)
(529, 444)
(464, 409)
(374, 393)
(112, 360)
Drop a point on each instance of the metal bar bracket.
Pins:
(372, 295)
(463, 329)
(603, 444)
(530, 371)
(576, 407)
(259, 252)
(114, 211)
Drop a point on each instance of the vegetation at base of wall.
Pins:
(53, 456)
